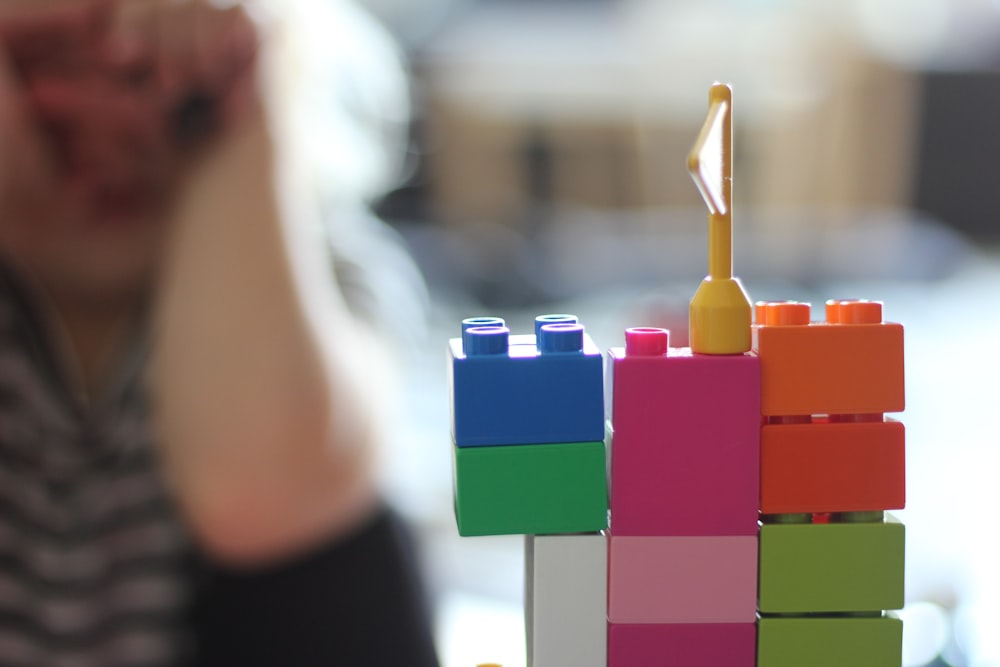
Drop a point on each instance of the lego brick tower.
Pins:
(685, 448)
(750, 474)
(529, 458)
(831, 560)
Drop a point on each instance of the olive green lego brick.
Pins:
(531, 489)
(834, 567)
(830, 642)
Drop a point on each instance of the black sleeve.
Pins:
(355, 603)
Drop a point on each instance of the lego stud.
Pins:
(557, 318)
(646, 342)
(833, 311)
(484, 341)
(560, 338)
(853, 311)
(876, 516)
(860, 311)
(483, 322)
(802, 517)
(479, 322)
(760, 312)
(786, 313)
(789, 419)
(857, 418)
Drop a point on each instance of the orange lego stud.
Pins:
(785, 313)
(859, 311)
(759, 310)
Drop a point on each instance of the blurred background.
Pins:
(547, 174)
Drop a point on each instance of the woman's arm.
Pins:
(265, 386)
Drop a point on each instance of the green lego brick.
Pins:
(830, 642)
(835, 567)
(531, 489)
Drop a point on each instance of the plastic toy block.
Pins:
(682, 645)
(566, 600)
(839, 467)
(834, 567)
(506, 390)
(531, 489)
(720, 309)
(852, 364)
(830, 642)
(682, 579)
(685, 443)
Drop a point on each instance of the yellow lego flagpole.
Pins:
(720, 309)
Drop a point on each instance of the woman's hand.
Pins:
(201, 61)
(108, 111)
(199, 58)
(91, 92)
(32, 43)
(261, 378)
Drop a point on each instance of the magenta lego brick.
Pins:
(526, 389)
(682, 645)
(685, 448)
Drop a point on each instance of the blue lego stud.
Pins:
(523, 389)
(543, 320)
(474, 322)
(556, 338)
(481, 341)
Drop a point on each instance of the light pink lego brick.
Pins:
(682, 579)
(687, 645)
(685, 448)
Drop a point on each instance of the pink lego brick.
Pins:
(687, 645)
(682, 579)
(685, 446)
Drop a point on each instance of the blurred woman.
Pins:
(188, 398)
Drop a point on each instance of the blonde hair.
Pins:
(338, 93)
(338, 90)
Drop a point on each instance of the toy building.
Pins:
(746, 478)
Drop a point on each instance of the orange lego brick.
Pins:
(832, 467)
(850, 364)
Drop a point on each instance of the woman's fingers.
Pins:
(25, 165)
(58, 38)
(98, 128)
(106, 88)
(88, 102)
(228, 43)
(192, 54)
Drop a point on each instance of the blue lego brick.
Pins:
(508, 390)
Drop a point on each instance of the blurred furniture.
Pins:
(533, 106)
(958, 147)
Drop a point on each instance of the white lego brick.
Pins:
(566, 604)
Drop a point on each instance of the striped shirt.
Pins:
(93, 559)
(96, 568)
